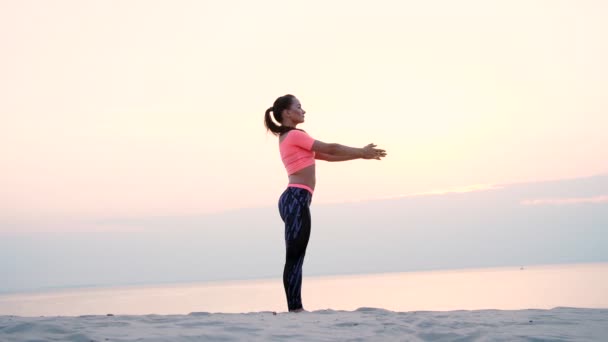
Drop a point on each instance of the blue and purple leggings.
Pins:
(294, 207)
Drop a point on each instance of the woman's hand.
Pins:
(369, 152)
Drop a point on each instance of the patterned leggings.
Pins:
(294, 208)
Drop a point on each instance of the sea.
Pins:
(498, 288)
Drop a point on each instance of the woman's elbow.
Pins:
(326, 148)
(333, 148)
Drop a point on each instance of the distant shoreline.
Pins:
(45, 290)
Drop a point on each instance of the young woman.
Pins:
(298, 151)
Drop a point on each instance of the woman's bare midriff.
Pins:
(305, 176)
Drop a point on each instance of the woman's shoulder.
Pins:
(293, 132)
(296, 133)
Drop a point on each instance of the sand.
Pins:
(363, 324)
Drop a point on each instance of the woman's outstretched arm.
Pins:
(338, 152)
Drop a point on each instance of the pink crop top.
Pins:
(296, 151)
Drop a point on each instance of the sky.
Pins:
(151, 108)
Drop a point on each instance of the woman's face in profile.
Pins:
(295, 112)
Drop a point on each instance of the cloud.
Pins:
(445, 191)
(566, 200)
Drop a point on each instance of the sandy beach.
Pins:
(363, 324)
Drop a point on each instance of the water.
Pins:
(512, 288)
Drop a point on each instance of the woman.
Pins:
(298, 151)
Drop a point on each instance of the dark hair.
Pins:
(280, 104)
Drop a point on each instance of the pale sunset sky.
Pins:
(152, 108)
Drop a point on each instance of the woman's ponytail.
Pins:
(270, 125)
